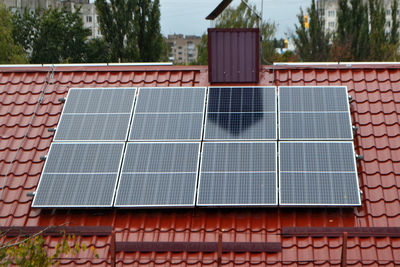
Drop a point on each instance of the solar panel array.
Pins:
(181, 147)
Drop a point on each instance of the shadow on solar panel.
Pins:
(224, 101)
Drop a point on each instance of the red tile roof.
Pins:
(24, 121)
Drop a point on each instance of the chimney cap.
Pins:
(218, 10)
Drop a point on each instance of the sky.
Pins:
(188, 16)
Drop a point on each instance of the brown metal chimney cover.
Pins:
(233, 55)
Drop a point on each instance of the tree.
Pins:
(31, 251)
(97, 51)
(242, 16)
(202, 51)
(10, 52)
(351, 42)
(60, 38)
(377, 40)
(312, 42)
(131, 28)
(150, 41)
(394, 35)
(25, 28)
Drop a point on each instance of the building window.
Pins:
(331, 13)
(388, 24)
(388, 12)
(180, 53)
(331, 24)
(322, 12)
(88, 18)
(179, 47)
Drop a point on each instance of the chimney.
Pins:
(233, 55)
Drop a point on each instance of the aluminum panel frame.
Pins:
(320, 204)
(81, 206)
(99, 88)
(275, 204)
(239, 140)
(315, 139)
(166, 205)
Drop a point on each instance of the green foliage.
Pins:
(60, 38)
(278, 43)
(377, 39)
(25, 28)
(394, 34)
(97, 51)
(241, 17)
(312, 43)
(10, 52)
(150, 42)
(132, 30)
(31, 251)
(202, 51)
(288, 56)
(351, 42)
(51, 36)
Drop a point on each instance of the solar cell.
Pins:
(319, 189)
(306, 126)
(79, 175)
(170, 99)
(166, 126)
(156, 189)
(99, 100)
(237, 189)
(318, 99)
(96, 114)
(153, 175)
(314, 113)
(238, 157)
(241, 113)
(242, 99)
(238, 174)
(318, 174)
(240, 126)
(93, 127)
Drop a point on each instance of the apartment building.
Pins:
(329, 8)
(183, 49)
(89, 16)
(87, 10)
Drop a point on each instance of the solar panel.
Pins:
(79, 175)
(314, 113)
(241, 113)
(318, 174)
(96, 114)
(238, 174)
(169, 114)
(170, 99)
(158, 175)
